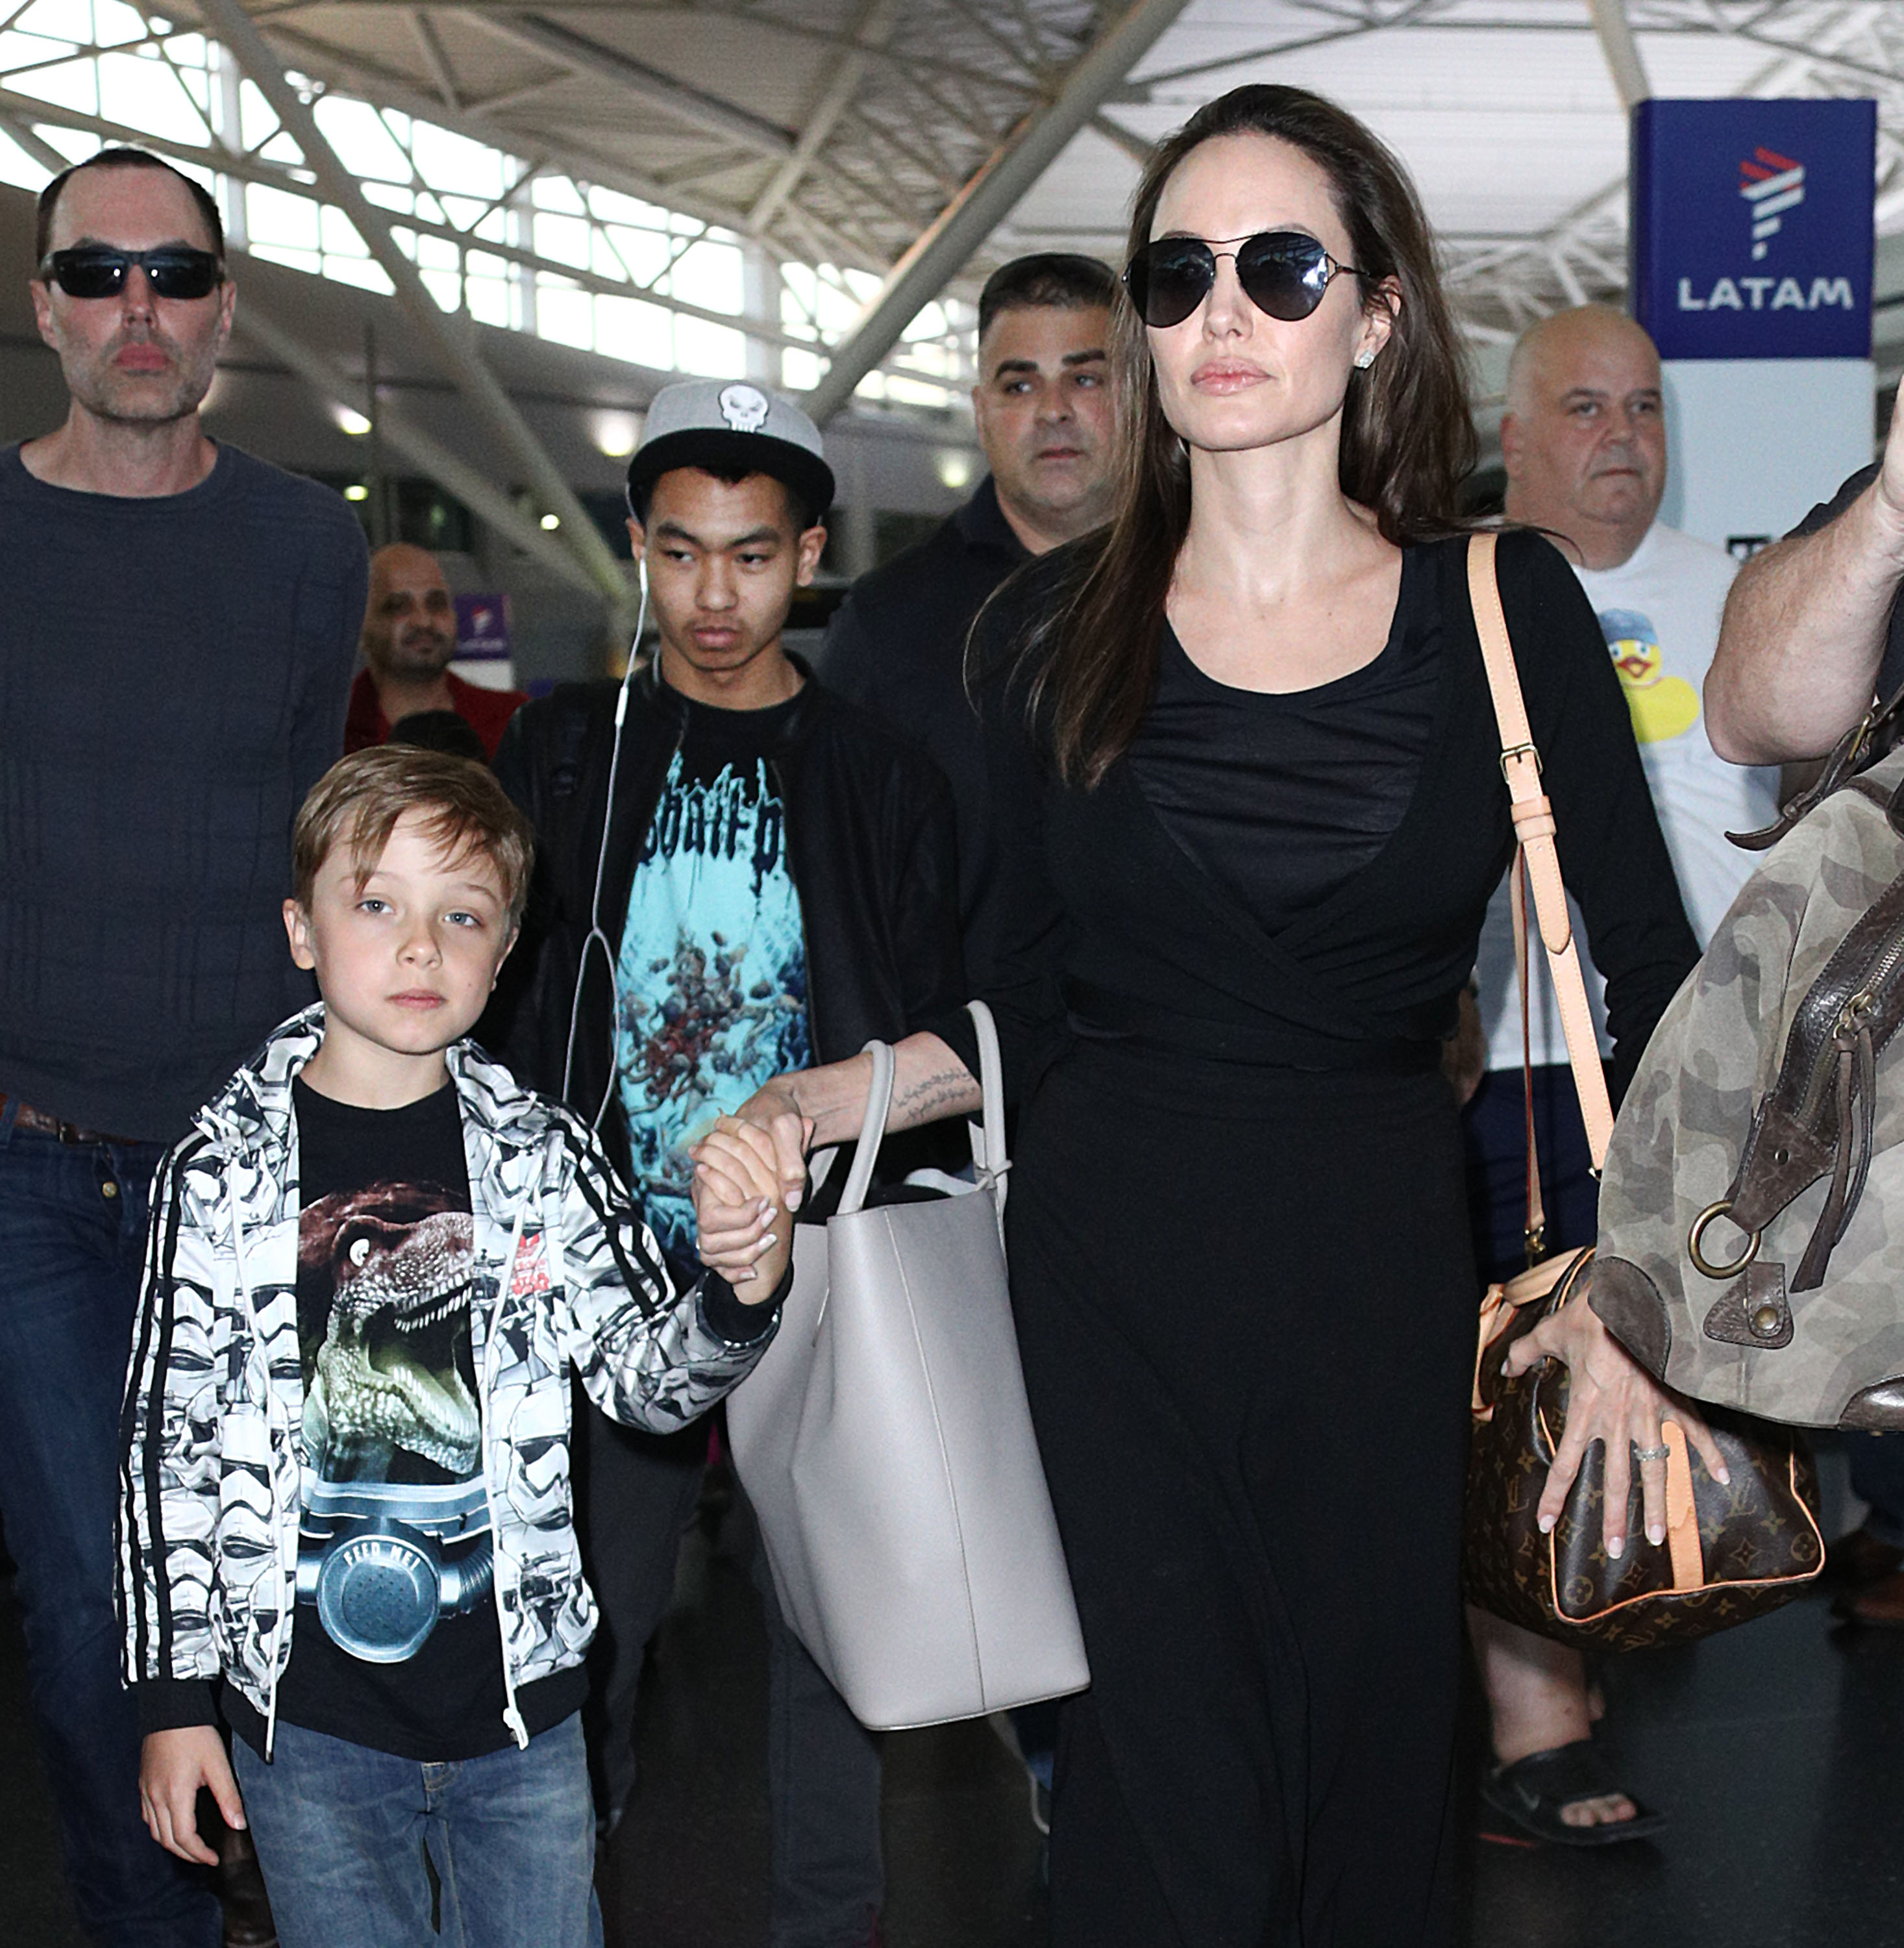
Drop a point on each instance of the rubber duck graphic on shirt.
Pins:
(1663, 707)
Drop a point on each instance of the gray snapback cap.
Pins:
(731, 425)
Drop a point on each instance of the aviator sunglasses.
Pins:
(1282, 272)
(98, 271)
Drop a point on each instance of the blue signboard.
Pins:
(482, 628)
(1751, 227)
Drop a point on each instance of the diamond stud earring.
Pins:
(1363, 360)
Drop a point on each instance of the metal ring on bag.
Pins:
(1698, 1231)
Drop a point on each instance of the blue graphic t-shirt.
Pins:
(711, 984)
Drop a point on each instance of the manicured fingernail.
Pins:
(1546, 1525)
(767, 1244)
(1724, 1479)
(1615, 1546)
(1656, 1533)
(793, 1199)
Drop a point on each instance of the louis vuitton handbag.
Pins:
(1732, 1551)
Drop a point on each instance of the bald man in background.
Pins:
(408, 641)
(1584, 444)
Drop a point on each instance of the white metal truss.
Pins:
(737, 181)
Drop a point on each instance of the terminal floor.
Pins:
(1775, 1749)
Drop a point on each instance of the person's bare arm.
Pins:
(811, 1108)
(1805, 627)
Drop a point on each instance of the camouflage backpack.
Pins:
(1751, 1250)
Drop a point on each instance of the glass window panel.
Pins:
(462, 211)
(445, 286)
(364, 271)
(564, 240)
(566, 314)
(279, 253)
(645, 251)
(281, 149)
(438, 252)
(714, 350)
(363, 144)
(442, 157)
(19, 168)
(114, 22)
(487, 299)
(494, 226)
(557, 193)
(275, 218)
(338, 235)
(641, 334)
(800, 371)
(611, 206)
(256, 119)
(72, 85)
(708, 275)
(391, 195)
(186, 50)
(63, 19)
(146, 95)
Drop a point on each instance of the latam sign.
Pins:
(1751, 234)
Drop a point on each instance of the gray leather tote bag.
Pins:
(885, 1442)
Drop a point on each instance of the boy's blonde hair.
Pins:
(359, 800)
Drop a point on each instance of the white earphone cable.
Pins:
(595, 936)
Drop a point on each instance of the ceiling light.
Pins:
(617, 435)
(352, 421)
(955, 470)
(356, 491)
(551, 523)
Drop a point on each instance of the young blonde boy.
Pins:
(344, 1514)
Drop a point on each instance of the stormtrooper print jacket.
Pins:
(566, 1274)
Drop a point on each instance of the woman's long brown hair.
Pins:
(1407, 439)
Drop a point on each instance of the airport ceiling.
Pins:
(841, 130)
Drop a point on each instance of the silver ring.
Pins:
(1659, 1454)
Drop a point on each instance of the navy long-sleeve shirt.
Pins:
(173, 673)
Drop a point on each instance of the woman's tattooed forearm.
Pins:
(935, 1095)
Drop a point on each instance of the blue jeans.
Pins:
(342, 1831)
(73, 1222)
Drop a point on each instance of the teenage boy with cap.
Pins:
(740, 874)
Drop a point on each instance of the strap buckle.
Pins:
(1513, 751)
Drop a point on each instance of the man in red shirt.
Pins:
(408, 640)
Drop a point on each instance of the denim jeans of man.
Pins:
(73, 1222)
(342, 1832)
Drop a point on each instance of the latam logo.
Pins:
(1771, 185)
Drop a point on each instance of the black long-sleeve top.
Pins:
(1115, 929)
(173, 670)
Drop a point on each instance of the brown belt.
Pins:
(25, 1117)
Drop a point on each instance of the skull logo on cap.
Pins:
(744, 407)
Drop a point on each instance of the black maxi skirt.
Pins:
(1247, 1308)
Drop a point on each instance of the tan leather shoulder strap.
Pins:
(1534, 827)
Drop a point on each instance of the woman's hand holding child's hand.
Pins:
(736, 1201)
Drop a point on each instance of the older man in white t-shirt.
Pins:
(1584, 442)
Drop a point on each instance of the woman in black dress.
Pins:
(1244, 740)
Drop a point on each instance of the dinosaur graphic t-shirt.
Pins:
(711, 986)
(395, 1643)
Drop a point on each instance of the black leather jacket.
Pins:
(871, 843)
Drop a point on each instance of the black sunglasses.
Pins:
(98, 271)
(1282, 272)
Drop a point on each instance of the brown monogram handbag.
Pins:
(1732, 1551)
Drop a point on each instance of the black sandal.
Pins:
(1533, 1792)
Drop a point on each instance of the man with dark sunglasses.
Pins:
(175, 647)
